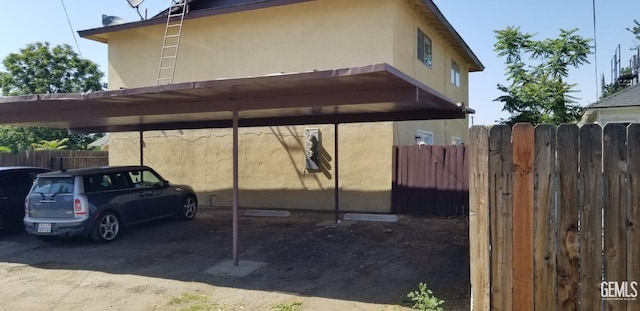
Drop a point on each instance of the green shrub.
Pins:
(424, 300)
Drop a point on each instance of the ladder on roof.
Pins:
(171, 41)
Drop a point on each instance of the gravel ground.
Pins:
(310, 262)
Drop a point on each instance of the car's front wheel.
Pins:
(189, 207)
(107, 228)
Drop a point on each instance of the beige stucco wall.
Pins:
(316, 35)
(271, 165)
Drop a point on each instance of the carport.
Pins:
(359, 94)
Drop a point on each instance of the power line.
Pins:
(595, 46)
(73, 33)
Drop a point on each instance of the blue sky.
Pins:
(475, 21)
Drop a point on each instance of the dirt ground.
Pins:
(350, 266)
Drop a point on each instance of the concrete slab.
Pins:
(226, 268)
(332, 223)
(266, 213)
(370, 217)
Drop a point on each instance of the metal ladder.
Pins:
(171, 41)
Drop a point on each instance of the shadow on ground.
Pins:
(367, 262)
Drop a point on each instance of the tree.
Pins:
(40, 69)
(537, 70)
(635, 29)
(56, 144)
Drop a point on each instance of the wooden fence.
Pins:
(56, 159)
(554, 217)
(431, 180)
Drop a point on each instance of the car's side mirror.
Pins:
(165, 183)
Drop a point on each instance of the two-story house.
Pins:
(223, 39)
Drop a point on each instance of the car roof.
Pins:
(22, 168)
(93, 170)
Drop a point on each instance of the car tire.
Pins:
(46, 238)
(106, 228)
(189, 207)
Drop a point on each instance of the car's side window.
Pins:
(120, 181)
(100, 182)
(144, 179)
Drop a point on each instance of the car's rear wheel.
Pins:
(189, 207)
(107, 228)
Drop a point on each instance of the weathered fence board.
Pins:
(500, 206)
(479, 218)
(55, 159)
(568, 238)
(430, 180)
(633, 212)
(571, 195)
(590, 216)
(615, 235)
(545, 221)
(523, 141)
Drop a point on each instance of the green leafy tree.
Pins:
(40, 69)
(56, 144)
(537, 72)
(635, 29)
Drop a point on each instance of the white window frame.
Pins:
(424, 49)
(456, 140)
(455, 73)
(424, 137)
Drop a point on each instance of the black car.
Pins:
(99, 202)
(15, 182)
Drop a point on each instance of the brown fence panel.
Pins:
(500, 207)
(591, 216)
(615, 234)
(568, 200)
(561, 223)
(430, 180)
(633, 212)
(479, 218)
(545, 220)
(56, 159)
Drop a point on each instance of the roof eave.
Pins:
(100, 34)
(474, 62)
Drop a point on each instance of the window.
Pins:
(456, 140)
(424, 138)
(455, 73)
(424, 49)
(144, 179)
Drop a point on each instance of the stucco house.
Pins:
(621, 107)
(224, 39)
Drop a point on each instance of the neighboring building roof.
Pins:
(628, 97)
(203, 8)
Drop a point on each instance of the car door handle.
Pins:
(3, 198)
(143, 194)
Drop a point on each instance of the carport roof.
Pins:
(359, 94)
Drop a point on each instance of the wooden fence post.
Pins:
(479, 218)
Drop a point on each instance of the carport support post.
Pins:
(235, 188)
(335, 173)
(141, 148)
